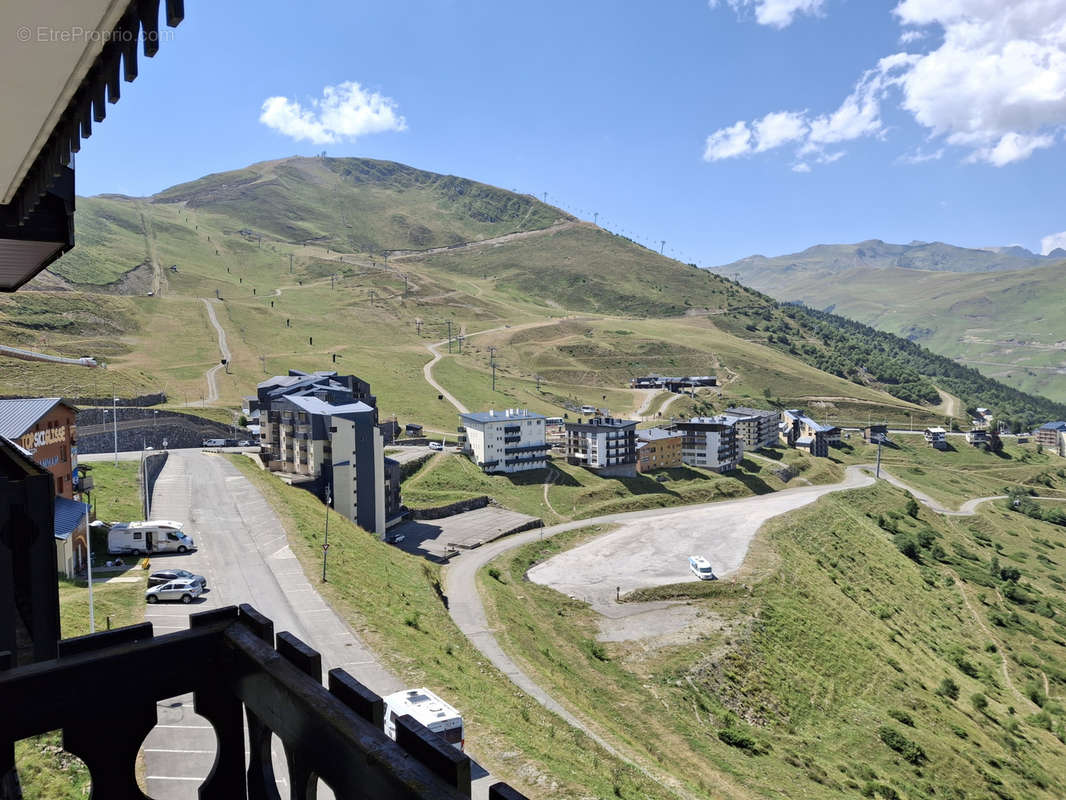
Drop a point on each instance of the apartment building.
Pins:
(937, 437)
(511, 440)
(319, 428)
(712, 443)
(977, 437)
(1051, 435)
(603, 444)
(658, 448)
(757, 427)
(800, 431)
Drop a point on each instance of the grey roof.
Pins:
(744, 411)
(653, 434)
(68, 515)
(501, 416)
(16, 416)
(313, 405)
(1047, 426)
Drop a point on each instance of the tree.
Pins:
(995, 444)
(912, 508)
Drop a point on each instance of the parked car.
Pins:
(244, 443)
(167, 575)
(701, 568)
(436, 446)
(184, 590)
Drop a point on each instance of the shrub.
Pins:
(902, 716)
(908, 545)
(980, 702)
(948, 688)
(965, 666)
(742, 740)
(494, 574)
(910, 751)
(912, 508)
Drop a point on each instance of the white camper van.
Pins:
(701, 568)
(428, 709)
(156, 536)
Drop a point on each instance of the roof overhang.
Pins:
(70, 58)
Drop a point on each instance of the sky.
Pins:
(723, 128)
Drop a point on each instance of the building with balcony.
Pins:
(800, 431)
(603, 444)
(1051, 436)
(511, 440)
(658, 448)
(712, 443)
(937, 438)
(756, 427)
(977, 437)
(322, 429)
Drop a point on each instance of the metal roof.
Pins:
(17, 416)
(506, 415)
(313, 405)
(68, 516)
(653, 434)
(1053, 426)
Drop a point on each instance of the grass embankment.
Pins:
(391, 599)
(577, 493)
(48, 772)
(963, 472)
(875, 660)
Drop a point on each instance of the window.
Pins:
(59, 485)
(172, 536)
(136, 535)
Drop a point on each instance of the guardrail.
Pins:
(238, 671)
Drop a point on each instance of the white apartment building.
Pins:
(511, 440)
(711, 442)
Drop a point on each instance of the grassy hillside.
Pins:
(293, 252)
(1005, 324)
(1002, 318)
(852, 669)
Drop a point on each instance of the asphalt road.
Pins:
(243, 552)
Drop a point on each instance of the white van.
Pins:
(428, 709)
(214, 443)
(157, 536)
(588, 409)
(701, 568)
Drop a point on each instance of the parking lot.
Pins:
(439, 537)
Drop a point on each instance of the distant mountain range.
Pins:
(997, 309)
(780, 273)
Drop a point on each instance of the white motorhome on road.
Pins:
(428, 709)
(155, 536)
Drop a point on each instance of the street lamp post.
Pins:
(89, 568)
(325, 543)
(114, 420)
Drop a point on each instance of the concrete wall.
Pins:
(151, 465)
(143, 426)
(437, 512)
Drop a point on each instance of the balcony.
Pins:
(274, 684)
(529, 448)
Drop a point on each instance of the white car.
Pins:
(184, 590)
(701, 568)
(436, 446)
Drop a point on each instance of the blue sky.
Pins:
(725, 128)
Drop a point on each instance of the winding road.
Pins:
(223, 348)
(724, 529)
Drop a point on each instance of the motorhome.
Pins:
(701, 568)
(156, 536)
(428, 709)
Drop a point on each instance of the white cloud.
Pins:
(728, 142)
(776, 13)
(778, 128)
(995, 86)
(801, 167)
(911, 36)
(345, 111)
(1052, 241)
(920, 157)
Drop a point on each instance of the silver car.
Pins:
(184, 590)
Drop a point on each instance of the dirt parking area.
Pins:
(654, 551)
